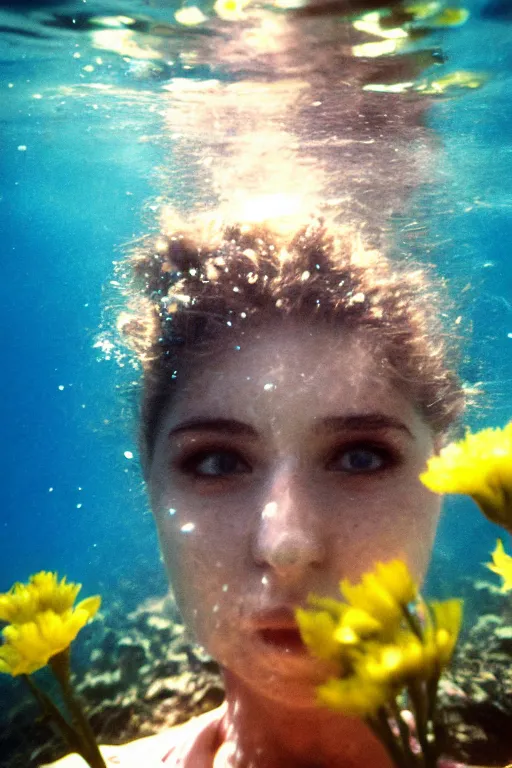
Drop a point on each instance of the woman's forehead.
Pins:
(291, 373)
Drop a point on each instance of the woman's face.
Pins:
(286, 464)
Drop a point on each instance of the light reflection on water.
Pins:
(321, 107)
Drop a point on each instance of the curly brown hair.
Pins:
(193, 286)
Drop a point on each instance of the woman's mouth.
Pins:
(277, 630)
(285, 640)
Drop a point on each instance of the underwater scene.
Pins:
(192, 196)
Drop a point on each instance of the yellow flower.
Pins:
(410, 657)
(317, 630)
(479, 466)
(396, 578)
(42, 620)
(371, 597)
(377, 639)
(356, 625)
(383, 593)
(394, 664)
(42, 593)
(353, 696)
(443, 635)
(502, 565)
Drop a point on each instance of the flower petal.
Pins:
(353, 696)
(502, 565)
(91, 605)
(317, 630)
(479, 466)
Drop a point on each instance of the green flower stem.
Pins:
(405, 735)
(418, 697)
(432, 687)
(381, 728)
(59, 665)
(54, 715)
(413, 623)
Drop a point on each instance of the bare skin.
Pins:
(292, 464)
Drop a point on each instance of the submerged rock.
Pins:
(476, 694)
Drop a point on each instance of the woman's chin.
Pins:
(278, 667)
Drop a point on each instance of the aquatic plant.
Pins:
(42, 622)
(389, 648)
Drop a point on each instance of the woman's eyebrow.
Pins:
(361, 422)
(331, 424)
(225, 426)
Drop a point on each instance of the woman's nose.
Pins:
(288, 539)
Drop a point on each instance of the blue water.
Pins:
(78, 168)
(72, 502)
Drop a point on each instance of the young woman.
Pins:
(294, 387)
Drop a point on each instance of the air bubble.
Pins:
(187, 528)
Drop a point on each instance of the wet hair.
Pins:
(192, 287)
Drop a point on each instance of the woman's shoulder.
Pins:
(190, 744)
(193, 744)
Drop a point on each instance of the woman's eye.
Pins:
(361, 459)
(216, 464)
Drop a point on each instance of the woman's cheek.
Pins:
(398, 519)
(418, 526)
(197, 571)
